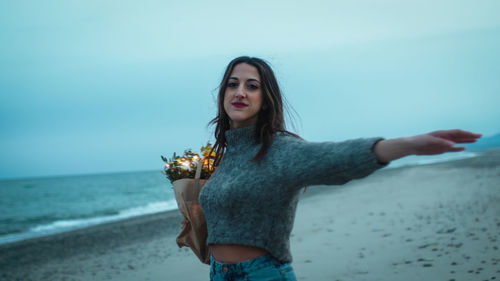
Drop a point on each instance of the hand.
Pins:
(427, 144)
(441, 141)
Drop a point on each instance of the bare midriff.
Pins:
(229, 253)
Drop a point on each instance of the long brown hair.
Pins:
(270, 118)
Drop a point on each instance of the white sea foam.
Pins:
(66, 225)
(424, 160)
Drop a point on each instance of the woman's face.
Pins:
(243, 96)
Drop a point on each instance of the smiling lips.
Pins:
(239, 104)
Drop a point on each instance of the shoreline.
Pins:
(23, 236)
(90, 238)
(105, 221)
(356, 231)
(124, 220)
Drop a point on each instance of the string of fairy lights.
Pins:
(184, 166)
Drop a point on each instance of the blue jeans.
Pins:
(264, 268)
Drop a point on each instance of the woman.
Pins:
(250, 200)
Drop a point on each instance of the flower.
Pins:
(180, 167)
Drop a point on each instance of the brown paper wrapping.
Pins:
(194, 232)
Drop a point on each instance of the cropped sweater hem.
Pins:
(254, 204)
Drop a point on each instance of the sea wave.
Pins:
(72, 224)
(425, 160)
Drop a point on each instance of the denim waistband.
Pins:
(242, 267)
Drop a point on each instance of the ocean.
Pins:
(41, 206)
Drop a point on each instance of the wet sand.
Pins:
(432, 222)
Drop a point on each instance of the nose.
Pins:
(240, 92)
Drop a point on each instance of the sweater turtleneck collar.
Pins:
(241, 136)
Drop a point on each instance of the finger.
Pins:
(466, 135)
(462, 136)
(458, 138)
(466, 140)
(456, 133)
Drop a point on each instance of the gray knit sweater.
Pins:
(250, 204)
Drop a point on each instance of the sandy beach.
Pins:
(430, 222)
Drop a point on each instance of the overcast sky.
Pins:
(109, 86)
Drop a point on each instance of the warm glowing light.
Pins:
(179, 167)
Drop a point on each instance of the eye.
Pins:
(232, 84)
(252, 86)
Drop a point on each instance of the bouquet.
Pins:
(188, 174)
(184, 167)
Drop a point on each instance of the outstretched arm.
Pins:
(427, 144)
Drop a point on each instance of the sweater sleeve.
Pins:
(329, 163)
